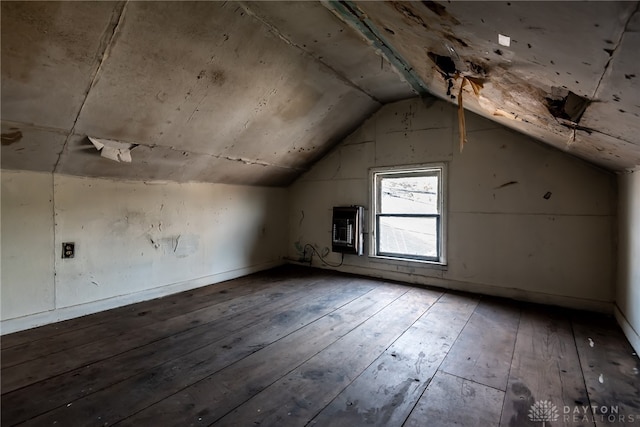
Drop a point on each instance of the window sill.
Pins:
(407, 262)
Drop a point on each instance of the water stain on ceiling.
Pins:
(559, 71)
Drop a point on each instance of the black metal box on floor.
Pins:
(347, 233)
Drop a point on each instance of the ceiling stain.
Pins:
(520, 80)
(11, 137)
(217, 77)
(305, 99)
(409, 13)
(456, 40)
(440, 10)
(478, 68)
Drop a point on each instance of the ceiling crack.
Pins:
(244, 160)
(253, 162)
(615, 48)
(117, 17)
(591, 130)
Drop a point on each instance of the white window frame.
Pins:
(375, 174)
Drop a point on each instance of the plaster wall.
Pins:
(627, 307)
(133, 241)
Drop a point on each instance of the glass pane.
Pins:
(417, 194)
(408, 236)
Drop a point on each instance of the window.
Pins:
(407, 213)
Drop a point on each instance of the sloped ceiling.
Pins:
(207, 90)
(254, 93)
(570, 75)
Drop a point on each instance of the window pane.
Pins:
(409, 195)
(408, 236)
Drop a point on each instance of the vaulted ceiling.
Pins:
(256, 92)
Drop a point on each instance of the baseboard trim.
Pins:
(629, 331)
(476, 288)
(39, 319)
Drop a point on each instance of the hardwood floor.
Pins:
(296, 346)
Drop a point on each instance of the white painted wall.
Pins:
(628, 286)
(27, 243)
(510, 241)
(134, 241)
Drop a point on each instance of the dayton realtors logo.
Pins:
(545, 411)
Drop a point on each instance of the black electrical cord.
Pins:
(313, 249)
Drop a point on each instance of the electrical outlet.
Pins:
(68, 250)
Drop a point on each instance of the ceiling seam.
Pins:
(282, 37)
(35, 127)
(350, 12)
(591, 130)
(256, 162)
(244, 160)
(105, 46)
(613, 52)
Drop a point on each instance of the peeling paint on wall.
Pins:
(180, 246)
(135, 239)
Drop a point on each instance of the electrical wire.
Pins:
(313, 249)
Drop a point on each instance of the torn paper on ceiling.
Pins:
(113, 150)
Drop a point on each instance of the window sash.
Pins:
(400, 255)
(380, 176)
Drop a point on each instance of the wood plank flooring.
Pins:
(295, 346)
